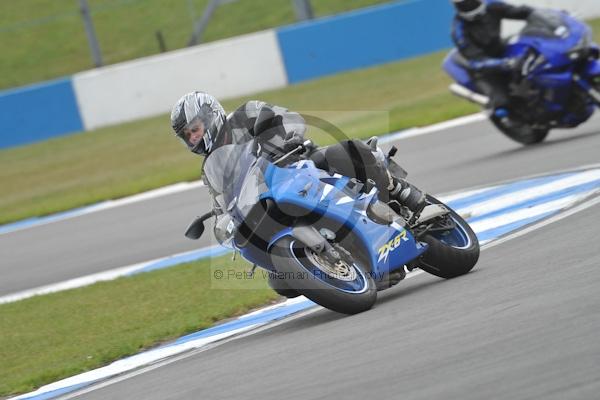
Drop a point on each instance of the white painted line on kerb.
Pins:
(69, 284)
(581, 207)
(168, 261)
(105, 205)
(488, 206)
(184, 186)
(426, 130)
(522, 214)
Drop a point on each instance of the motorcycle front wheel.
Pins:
(520, 132)
(343, 287)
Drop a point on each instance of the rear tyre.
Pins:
(345, 288)
(451, 253)
(520, 132)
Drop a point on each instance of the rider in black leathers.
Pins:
(199, 120)
(476, 32)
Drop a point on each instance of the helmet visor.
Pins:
(192, 133)
(466, 6)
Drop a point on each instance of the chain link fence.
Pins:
(45, 39)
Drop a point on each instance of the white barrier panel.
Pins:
(151, 85)
(580, 8)
(227, 68)
(583, 9)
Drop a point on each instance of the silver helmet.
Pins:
(196, 119)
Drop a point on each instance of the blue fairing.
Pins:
(457, 72)
(593, 69)
(554, 49)
(308, 188)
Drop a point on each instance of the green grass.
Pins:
(47, 338)
(113, 162)
(44, 39)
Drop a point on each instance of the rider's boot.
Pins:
(392, 279)
(407, 195)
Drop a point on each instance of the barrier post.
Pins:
(90, 32)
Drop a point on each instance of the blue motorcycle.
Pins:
(558, 77)
(323, 235)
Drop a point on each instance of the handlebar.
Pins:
(303, 146)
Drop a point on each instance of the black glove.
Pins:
(292, 143)
(268, 124)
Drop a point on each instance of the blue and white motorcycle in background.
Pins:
(323, 235)
(560, 77)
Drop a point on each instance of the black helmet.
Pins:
(197, 118)
(469, 9)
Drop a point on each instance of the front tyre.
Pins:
(520, 132)
(452, 252)
(344, 287)
(279, 285)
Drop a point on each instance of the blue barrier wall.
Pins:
(365, 38)
(353, 40)
(38, 112)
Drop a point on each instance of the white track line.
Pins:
(426, 130)
(523, 214)
(69, 284)
(513, 198)
(172, 260)
(585, 205)
(105, 205)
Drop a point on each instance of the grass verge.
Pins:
(75, 170)
(71, 171)
(47, 338)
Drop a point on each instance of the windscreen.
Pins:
(226, 165)
(545, 23)
(235, 172)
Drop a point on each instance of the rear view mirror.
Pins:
(196, 228)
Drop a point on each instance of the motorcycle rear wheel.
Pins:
(451, 253)
(521, 132)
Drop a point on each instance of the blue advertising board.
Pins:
(365, 38)
(38, 112)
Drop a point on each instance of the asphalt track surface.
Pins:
(457, 158)
(523, 325)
